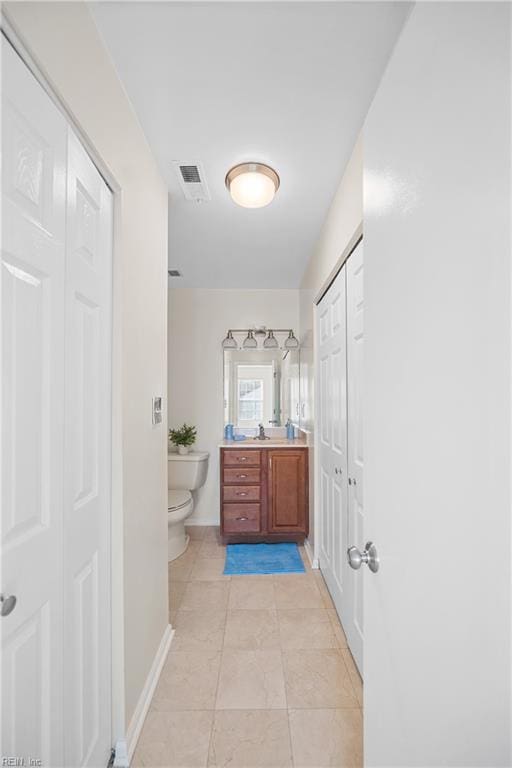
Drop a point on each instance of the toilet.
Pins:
(184, 474)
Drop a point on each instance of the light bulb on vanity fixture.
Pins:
(229, 342)
(252, 185)
(271, 341)
(250, 342)
(291, 342)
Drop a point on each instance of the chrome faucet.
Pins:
(262, 435)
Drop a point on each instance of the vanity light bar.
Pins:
(250, 342)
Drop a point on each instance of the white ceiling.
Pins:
(287, 84)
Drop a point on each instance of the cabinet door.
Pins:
(287, 490)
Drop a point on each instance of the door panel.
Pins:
(287, 490)
(437, 393)
(331, 345)
(55, 411)
(34, 136)
(87, 449)
(355, 347)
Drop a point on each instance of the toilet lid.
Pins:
(177, 499)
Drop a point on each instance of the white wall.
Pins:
(63, 39)
(198, 321)
(437, 251)
(340, 231)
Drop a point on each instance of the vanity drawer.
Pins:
(239, 518)
(246, 475)
(241, 492)
(251, 457)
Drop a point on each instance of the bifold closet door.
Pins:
(87, 591)
(34, 150)
(55, 470)
(353, 612)
(332, 399)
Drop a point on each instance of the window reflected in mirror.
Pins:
(261, 387)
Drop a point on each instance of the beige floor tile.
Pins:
(251, 592)
(306, 629)
(317, 680)
(322, 588)
(181, 568)
(355, 677)
(176, 592)
(250, 739)
(205, 594)
(251, 680)
(327, 738)
(188, 681)
(208, 569)
(252, 630)
(297, 591)
(193, 549)
(212, 549)
(201, 630)
(174, 740)
(212, 533)
(196, 532)
(338, 629)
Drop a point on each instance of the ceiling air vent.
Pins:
(192, 181)
(174, 273)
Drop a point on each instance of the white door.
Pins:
(87, 463)
(55, 312)
(332, 399)
(353, 623)
(34, 149)
(437, 624)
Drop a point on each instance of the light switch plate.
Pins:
(157, 410)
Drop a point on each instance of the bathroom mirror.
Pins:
(261, 386)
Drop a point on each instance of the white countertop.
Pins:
(274, 442)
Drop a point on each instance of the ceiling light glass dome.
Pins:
(252, 185)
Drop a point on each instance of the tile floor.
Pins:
(258, 676)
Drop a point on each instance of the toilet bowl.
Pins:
(184, 474)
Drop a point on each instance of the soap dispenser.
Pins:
(290, 430)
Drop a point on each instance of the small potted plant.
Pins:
(183, 438)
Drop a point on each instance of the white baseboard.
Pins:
(127, 748)
(202, 521)
(309, 552)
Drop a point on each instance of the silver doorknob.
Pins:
(7, 604)
(368, 557)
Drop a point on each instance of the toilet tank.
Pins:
(187, 472)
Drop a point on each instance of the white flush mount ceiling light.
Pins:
(252, 185)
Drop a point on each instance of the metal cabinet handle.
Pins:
(242, 518)
(7, 604)
(241, 493)
(242, 458)
(242, 476)
(368, 557)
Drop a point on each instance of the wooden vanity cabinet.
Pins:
(264, 494)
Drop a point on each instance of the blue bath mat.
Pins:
(249, 559)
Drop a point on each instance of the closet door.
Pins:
(353, 624)
(55, 504)
(34, 136)
(87, 463)
(332, 398)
